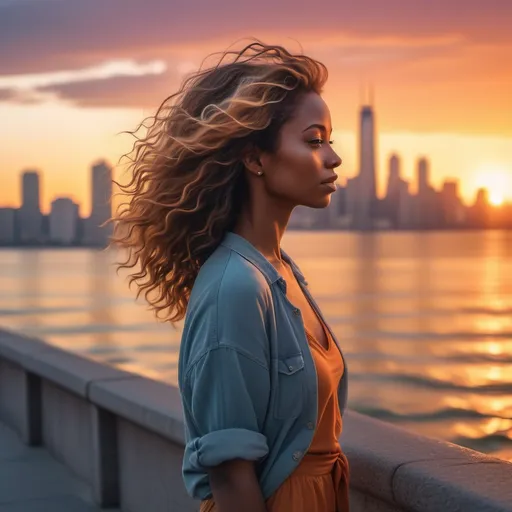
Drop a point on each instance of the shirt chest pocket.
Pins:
(290, 387)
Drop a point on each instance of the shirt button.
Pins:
(296, 455)
(311, 425)
(290, 368)
(296, 312)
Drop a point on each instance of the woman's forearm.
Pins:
(235, 487)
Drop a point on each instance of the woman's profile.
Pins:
(262, 378)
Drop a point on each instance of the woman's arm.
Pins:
(235, 487)
(225, 392)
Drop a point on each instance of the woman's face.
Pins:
(301, 171)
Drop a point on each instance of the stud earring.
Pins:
(259, 173)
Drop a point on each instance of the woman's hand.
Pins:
(235, 487)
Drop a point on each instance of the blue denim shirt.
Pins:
(246, 374)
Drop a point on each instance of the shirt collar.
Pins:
(243, 247)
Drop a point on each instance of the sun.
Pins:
(496, 198)
(498, 182)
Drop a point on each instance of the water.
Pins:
(425, 320)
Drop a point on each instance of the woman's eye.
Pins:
(319, 142)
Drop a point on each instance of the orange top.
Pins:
(320, 481)
(329, 369)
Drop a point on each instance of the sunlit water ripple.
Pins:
(425, 320)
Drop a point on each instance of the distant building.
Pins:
(423, 177)
(302, 218)
(406, 206)
(480, 212)
(393, 176)
(30, 212)
(63, 221)
(101, 212)
(391, 200)
(7, 226)
(452, 207)
(351, 201)
(362, 205)
(427, 213)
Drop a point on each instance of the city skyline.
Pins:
(63, 225)
(355, 206)
(367, 143)
(440, 73)
(494, 176)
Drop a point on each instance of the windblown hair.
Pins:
(188, 180)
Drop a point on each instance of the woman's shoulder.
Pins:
(228, 276)
(228, 307)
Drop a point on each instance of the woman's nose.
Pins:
(334, 161)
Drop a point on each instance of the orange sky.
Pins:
(442, 77)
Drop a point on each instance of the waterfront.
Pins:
(425, 320)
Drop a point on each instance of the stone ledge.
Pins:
(15, 347)
(70, 371)
(153, 405)
(477, 485)
(422, 474)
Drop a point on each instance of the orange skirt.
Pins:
(319, 484)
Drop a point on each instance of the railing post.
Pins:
(105, 457)
(32, 422)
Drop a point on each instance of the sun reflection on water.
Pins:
(488, 427)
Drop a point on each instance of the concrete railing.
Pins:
(123, 434)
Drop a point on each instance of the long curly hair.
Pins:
(187, 182)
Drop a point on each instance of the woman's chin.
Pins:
(321, 202)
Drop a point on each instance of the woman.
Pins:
(262, 379)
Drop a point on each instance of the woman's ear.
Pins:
(252, 161)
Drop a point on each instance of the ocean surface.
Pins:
(425, 320)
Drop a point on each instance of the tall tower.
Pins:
(30, 211)
(393, 176)
(394, 186)
(366, 185)
(427, 210)
(367, 152)
(101, 191)
(423, 176)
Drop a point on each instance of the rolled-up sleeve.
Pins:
(224, 375)
(226, 392)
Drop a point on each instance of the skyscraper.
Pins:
(427, 213)
(423, 176)
(367, 153)
(7, 226)
(363, 204)
(405, 217)
(101, 191)
(393, 190)
(30, 211)
(393, 176)
(63, 221)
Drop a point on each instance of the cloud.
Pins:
(49, 35)
(111, 84)
(23, 97)
(121, 91)
(7, 94)
(99, 72)
(429, 59)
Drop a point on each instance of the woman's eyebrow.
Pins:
(317, 125)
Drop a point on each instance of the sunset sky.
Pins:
(74, 73)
